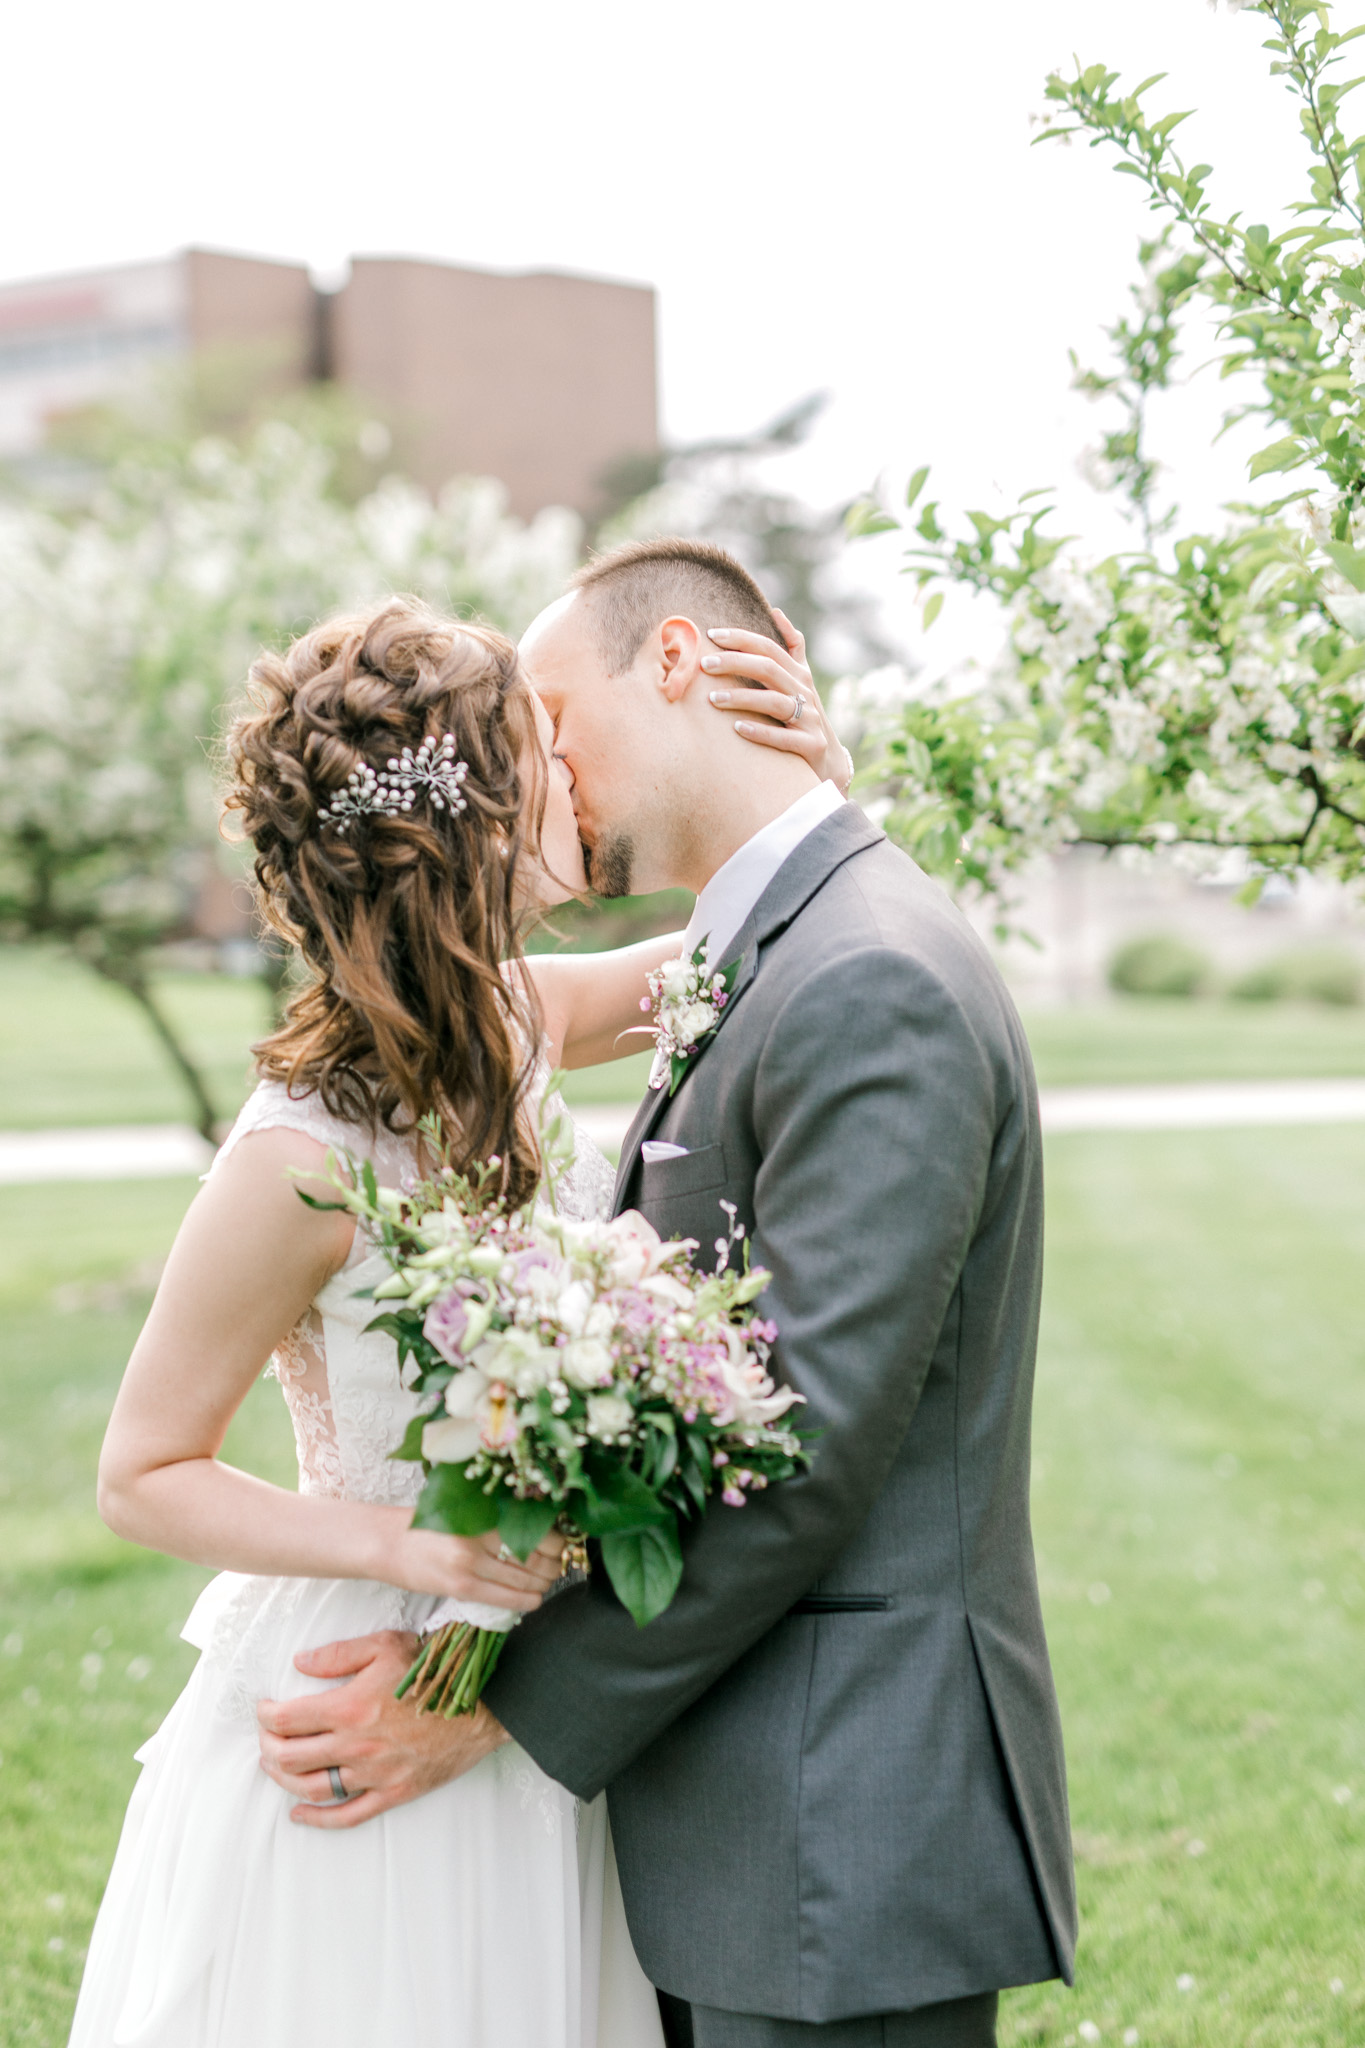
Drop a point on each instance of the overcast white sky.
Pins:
(827, 197)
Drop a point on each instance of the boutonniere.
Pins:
(686, 1003)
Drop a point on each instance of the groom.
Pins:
(834, 1764)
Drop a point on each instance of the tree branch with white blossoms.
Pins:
(1207, 690)
(128, 620)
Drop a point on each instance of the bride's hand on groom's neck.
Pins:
(773, 691)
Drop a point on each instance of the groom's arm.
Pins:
(876, 1109)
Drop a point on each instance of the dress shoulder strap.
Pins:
(271, 1107)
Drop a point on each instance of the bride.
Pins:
(395, 776)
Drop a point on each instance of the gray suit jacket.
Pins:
(835, 1765)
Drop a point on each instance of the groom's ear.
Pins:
(681, 646)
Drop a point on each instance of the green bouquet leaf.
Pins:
(645, 1567)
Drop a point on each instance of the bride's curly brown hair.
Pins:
(408, 924)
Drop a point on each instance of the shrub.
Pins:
(1159, 965)
(1312, 974)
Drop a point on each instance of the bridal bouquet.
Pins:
(579, 1376)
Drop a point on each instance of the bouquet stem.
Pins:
(452, 1668)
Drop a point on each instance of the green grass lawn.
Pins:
(1200, 1514)
(75, 1051)
(1200, 1504)
(1156, 1038)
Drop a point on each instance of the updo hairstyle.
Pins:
(406, 924)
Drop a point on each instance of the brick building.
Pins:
(543, 380)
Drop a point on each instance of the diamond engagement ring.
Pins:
(506, 1556)
(798, 710)
(339, 1792)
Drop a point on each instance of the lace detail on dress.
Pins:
(300, 1366)
(526, 1778)
(587, 1187)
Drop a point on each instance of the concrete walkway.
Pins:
(160, 1151)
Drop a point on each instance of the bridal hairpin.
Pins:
(390, 791)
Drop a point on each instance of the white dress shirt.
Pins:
(734, 889)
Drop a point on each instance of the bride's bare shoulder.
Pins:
(279, 1148)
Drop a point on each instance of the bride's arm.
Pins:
(590, 1002)
(248, 1260)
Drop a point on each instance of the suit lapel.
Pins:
(801, 875)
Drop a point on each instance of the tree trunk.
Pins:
(135, 983)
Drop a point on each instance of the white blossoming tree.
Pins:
(1205, 690)
(126, 628)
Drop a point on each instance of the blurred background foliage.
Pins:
(1201, 691)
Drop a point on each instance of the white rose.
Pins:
(674, 976)
(608, 1415)
(450, 1439)
(520, 1358)
(586, 1363)
(571, 1309)
(695, 1022)
(599, 1321)
(544, 1284)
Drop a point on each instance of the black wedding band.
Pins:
(339, 1792)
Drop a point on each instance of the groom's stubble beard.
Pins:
(610, 864)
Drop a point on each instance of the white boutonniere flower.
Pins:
(686, 1003)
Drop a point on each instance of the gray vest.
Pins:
(835, 1764)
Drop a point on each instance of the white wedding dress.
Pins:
(486, 1915)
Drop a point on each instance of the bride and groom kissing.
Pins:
(821, 1799)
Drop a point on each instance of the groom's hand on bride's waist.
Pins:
(385, 1750)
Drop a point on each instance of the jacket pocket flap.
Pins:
(693, 1174)
(842, 1603)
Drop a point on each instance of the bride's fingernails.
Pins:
(721, 633)
(711, 661)
(743, 725)
(720, 696)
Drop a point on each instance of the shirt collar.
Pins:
(735, 888)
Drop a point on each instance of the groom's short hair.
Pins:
(637, 586)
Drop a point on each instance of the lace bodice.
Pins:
(348, 1405)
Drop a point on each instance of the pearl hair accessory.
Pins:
(392, 790)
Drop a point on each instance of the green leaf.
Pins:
(616, 1500)
(524, 1523)
(1345, 666)
(916, 758)
(1350, 562)
(916, 484)
(454, 1505)
(1285, 454)
(867, 517)
(645, 1568)
(410, 1450)
(932, 608)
